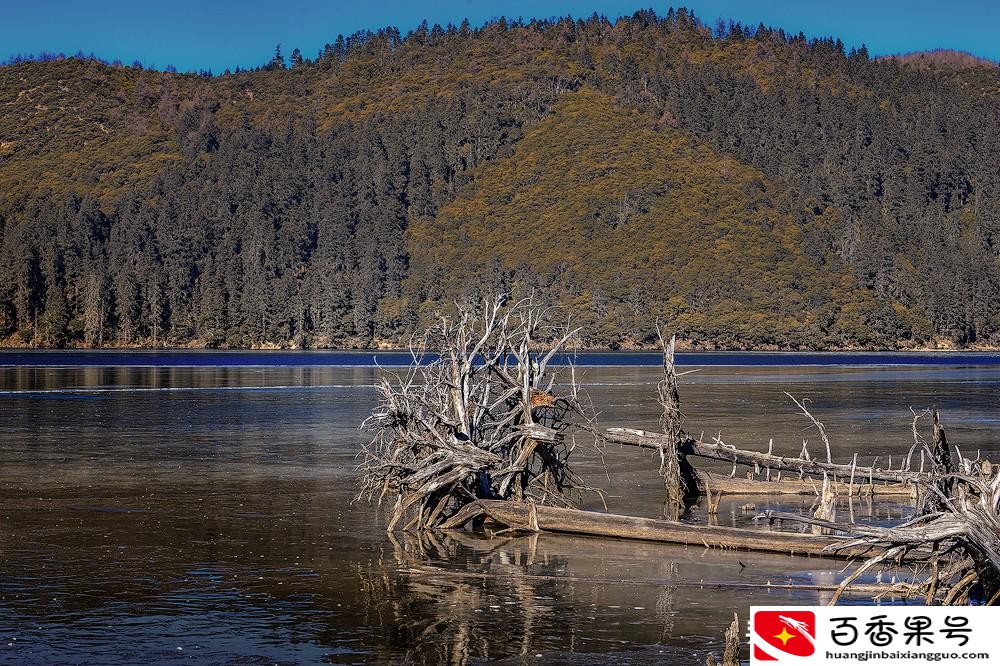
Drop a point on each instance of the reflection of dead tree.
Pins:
(480, 420)
(440, 606)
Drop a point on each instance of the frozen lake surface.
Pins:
(196, 507)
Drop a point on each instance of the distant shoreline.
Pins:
(682, 347)
(381, 358)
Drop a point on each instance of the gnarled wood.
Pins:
(478, 414)
(941, 468)
(674, 480)
(694, 447)
(968, 527)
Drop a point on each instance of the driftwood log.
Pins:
(526, 516)
(708, 482)
(759, 459)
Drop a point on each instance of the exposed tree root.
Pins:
(484, 418)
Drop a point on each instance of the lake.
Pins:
(197, 507)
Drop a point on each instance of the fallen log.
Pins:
(718, 483)
(519, 515)
(759, 459)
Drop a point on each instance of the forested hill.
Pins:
(745, 187)
(943, 59)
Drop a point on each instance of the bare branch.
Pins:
(483, 418)
(815, 423)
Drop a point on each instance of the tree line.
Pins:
(318, 202)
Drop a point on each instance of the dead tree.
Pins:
(941, 470)
(731, 654)
(671, 420)
(964, 532)
(826, 505)
(479, 414)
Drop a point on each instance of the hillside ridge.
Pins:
(746, 188)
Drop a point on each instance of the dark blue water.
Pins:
(369, 358)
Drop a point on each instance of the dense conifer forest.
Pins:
(746, 187)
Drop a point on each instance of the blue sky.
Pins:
(217, 35)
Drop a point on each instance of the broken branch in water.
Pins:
(918, 441)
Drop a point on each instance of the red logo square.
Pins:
(778, 633)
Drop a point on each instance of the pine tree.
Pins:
(277, 61)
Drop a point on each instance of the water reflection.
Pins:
(460, 597)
